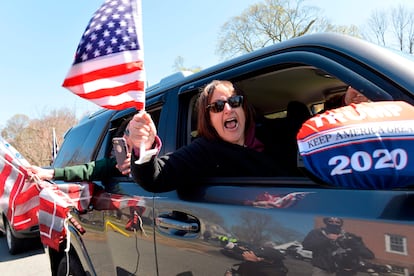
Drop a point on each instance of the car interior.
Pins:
(283, 100)
(305, 84)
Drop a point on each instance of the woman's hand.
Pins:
(125, 167)
(142, 130)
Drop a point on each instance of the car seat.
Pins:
(279, 136)
(297, 114)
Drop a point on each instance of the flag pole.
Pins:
(143, 153)
(137, 16)
(54, 145)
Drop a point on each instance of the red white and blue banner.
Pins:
(366, 145)
(28, 202)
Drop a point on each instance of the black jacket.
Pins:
(202, 159)
(335, 256)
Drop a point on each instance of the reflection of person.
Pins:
(226, 143)
(102, 169)
(264, 261)
(351, 96)
(335, 251)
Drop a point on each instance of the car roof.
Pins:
(388, 62)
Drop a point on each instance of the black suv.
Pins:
(214, 227)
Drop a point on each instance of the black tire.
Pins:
(75, 267)
(14, 244)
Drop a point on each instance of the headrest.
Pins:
(297, 111)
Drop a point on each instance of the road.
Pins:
(32, 262)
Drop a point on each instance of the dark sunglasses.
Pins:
(233, 101)
(335, 222)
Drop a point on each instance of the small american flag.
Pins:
(108, 68)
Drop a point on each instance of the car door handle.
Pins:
(169, 223)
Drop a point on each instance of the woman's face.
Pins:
(229, 123)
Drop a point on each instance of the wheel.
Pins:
(75, 267)
(14, 244)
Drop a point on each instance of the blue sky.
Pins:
(39, 39)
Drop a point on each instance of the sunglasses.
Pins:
(233, 101)
(335, 222)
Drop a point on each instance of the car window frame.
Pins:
(344, 69)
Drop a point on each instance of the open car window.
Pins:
(283, 98)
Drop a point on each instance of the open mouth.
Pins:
(231, 123)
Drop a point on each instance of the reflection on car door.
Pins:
(229, 220)
(118, 231)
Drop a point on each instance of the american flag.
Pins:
(267, 200)
(108, 68)
(55, 204)
(28, 202)
(19, 198)
(107, 201)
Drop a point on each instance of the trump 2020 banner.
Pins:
(366, 145)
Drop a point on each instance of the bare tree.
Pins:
(33, 137)
(400, 21)
(257, 229)
(378, 23)
(270, 22)
(410, 33)
(393, 28)
(179, 66)
(14, 125)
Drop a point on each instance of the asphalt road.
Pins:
(33, 261)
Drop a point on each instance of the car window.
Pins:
(120, 122)
(283, 99)
(90, 133)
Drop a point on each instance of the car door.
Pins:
(122, 217)
(225, 225)
(114, 234)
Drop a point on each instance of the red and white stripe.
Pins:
(54, 209)
(18, 196)
(113, 82)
